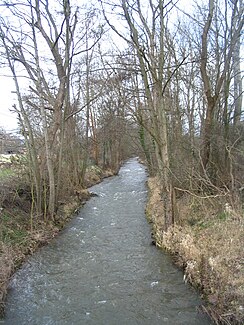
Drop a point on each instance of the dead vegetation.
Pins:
(207, 242)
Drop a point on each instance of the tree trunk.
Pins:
(237, 83)
(207, 132)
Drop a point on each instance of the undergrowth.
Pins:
(207, 242)
(21, 234)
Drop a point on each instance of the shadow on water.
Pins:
(103, 269)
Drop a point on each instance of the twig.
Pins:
(199, 196)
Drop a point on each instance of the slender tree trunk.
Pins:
(50, 166)
(30, 138)
(207, 129)
(237, 83)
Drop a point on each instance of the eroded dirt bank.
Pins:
(208, 244)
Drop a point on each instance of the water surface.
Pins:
(102, 269)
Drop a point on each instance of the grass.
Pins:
(13, 236)
(6, 173)
(14, 229)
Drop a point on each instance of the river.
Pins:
(102, 268)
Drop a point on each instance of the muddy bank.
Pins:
(20, 237)
(207, 243)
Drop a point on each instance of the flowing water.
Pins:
(102, 269)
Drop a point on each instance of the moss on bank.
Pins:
(207, 243)
(21, 237)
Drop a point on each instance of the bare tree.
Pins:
(148, 33)
(46, 46)
(213, 89)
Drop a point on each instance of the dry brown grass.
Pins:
(6, 269)
(207, 242)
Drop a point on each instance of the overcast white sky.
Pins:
(7, 119)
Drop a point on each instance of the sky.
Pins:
(8, 120)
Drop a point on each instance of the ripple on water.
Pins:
(102, 268)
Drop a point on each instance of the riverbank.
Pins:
(21, 235)
(207, 243)
(102, 268)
